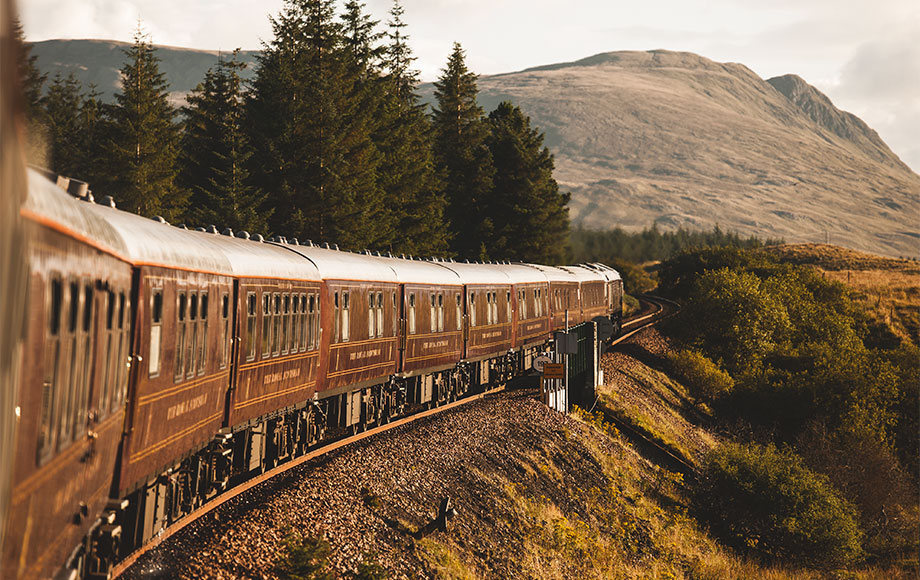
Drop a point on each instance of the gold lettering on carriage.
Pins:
(364, 354)
(434, 344)
(186, 406)
(493, 334)
(530, 327)
(277, 377)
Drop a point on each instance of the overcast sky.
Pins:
(864, 54)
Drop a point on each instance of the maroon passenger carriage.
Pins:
(163, 365)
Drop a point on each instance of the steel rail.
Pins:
(122, 566)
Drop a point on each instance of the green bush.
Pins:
(304, 558)
(766, 501)
(702, 377)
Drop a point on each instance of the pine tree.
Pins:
(144, 139)
(530, 214)
(62, 121)
(33, 81)
(215, 151)
(462, 157)
(314, 152)
(32, 85)
(403, 136)
(90, 156)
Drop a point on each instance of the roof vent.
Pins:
(212, 229)
(308, 243)
(243, 235)
(389, 254)
(159, 218)
(294, 242)
(88, 197)
(258, 238)
(326, 245)
(108, 200)
(200, 229)
(336, 247)
(227, 232)
(182, 227)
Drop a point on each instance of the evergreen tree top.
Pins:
(455, 91)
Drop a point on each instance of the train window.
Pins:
(276, 327)
(285, 323)
(379, 314)
(371, 316)
(50, 379)
(411, 313)
(395, 312)
(104, 395)
(181, 306)
(250, 326)
(508, 306)
(296, 323)
(121, 360)
(156, 326)
(83, 376)
(489, 320)
(440, 312)
(311, 326)
(301, 343)
(472, 309)
(191, 356)
(523, 299)
(346, 322)
(266, 324)
(336, 331)
(459, 312)
(202, 357)
(433, 321)
(224, 330)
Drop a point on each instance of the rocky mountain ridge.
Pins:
(666, 138)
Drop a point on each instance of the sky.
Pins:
(864, 54)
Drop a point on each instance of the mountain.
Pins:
(668, 138)
(99, 62)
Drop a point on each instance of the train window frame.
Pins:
(191, 352)
(181, 304)
(508, 306)
(87, 333)
(154, 360)
(371, 316)
(346, 315)
(51, 374)
(276, 324)
(311, 317)
(224, 330)
(252, 307)
(433, 312)
(285, 346)
(472, 309)
(122, 362)
(202, 357)
(395, 317)
(411, 313)
(296, 322)
(379, 314)
(459, 310)
(336, 323)
(265, 337)
(440, 312)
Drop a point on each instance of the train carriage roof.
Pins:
(584, 274)
(54, 207)
(339, 265)
(605, 271)
(478, 273)
(422, 272)
(523, 274)
(555, 274)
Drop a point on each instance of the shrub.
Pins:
(766, 501)
(304, 558)
(702, 377)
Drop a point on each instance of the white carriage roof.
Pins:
(523, 274)
(477, 273)
(51, 204)
(605, 270)
(554, 274)
(421, 272)
(584, 274)
(339, 265)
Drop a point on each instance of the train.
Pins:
(163, 365)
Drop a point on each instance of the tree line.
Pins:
(329, 141)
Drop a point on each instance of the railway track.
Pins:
(234, 492)
(658, 309)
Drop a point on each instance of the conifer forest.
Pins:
(327, 142)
